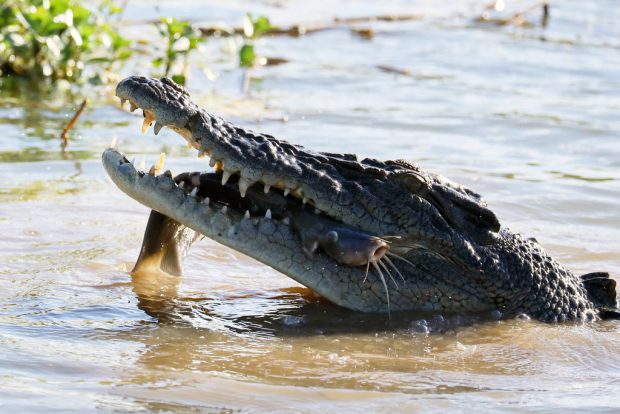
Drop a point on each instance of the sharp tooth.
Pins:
(157, 128)
(317, 211)
(194, 192)
(113, 143)
(268, 214)
(231, 231)
(181, 184)
(159, 166)
(152, 170)
(304, 200)
(219, 166)
(148, 120)
(132, 106)
(224, 209)
(286, 220)
(206, 201)
(244, 184)
(123, 101)
(225, 176)
(247, 214)
(212, 162)
(168, 173)
(286, 191)
(267, 188)
(133, 161)
(145, 125)
(142, 165)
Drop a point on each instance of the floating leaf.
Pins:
(261, 26)
(180, 79)
(247, 55)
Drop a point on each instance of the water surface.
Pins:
(527, 117)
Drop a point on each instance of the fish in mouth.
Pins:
(369, 235)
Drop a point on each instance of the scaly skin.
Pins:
(449, 250)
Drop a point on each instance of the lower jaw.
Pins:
(265, 239)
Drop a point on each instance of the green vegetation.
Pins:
(56, 39)
(181, 38)
(69, 39)
(253, 28)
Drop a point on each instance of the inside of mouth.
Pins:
(256, 203)
(227, 189)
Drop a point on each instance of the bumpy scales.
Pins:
(369, 235)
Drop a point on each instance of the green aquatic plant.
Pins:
(58, 39)
(253, 28)
(181, 38)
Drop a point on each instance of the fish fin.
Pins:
(165, 244)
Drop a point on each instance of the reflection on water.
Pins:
(526, 117)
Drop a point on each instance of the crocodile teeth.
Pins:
(181, 184)
(157, 128)
(113, 143)
(286, 220)
(268, 214)
(145, 126)
(133, 161)
(267, 188)
(244, 184)
(304, 200)
(317, 211)
(159, 165)
(148, 120)
(224, 209)
(247, 214)
(286, 191)
(142, 165)
(206, 201)
(194, 192)
(132, 106)
(123, 101)
(225, 176)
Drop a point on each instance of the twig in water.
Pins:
(301, 29)
(64, 137)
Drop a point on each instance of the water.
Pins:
(527, 117)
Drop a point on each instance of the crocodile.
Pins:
(368, 235)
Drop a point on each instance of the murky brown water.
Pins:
(531, 124)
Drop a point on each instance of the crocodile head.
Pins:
(368, 235)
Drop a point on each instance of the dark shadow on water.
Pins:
(289, 312)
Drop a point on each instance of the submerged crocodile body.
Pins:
(369, 235)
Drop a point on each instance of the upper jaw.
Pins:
(255, 158)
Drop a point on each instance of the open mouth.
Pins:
(241, 204)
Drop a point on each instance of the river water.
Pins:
(528, 117)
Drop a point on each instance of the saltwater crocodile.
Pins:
(369, 235)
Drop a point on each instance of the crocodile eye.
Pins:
(412, 181)
(331, 236)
